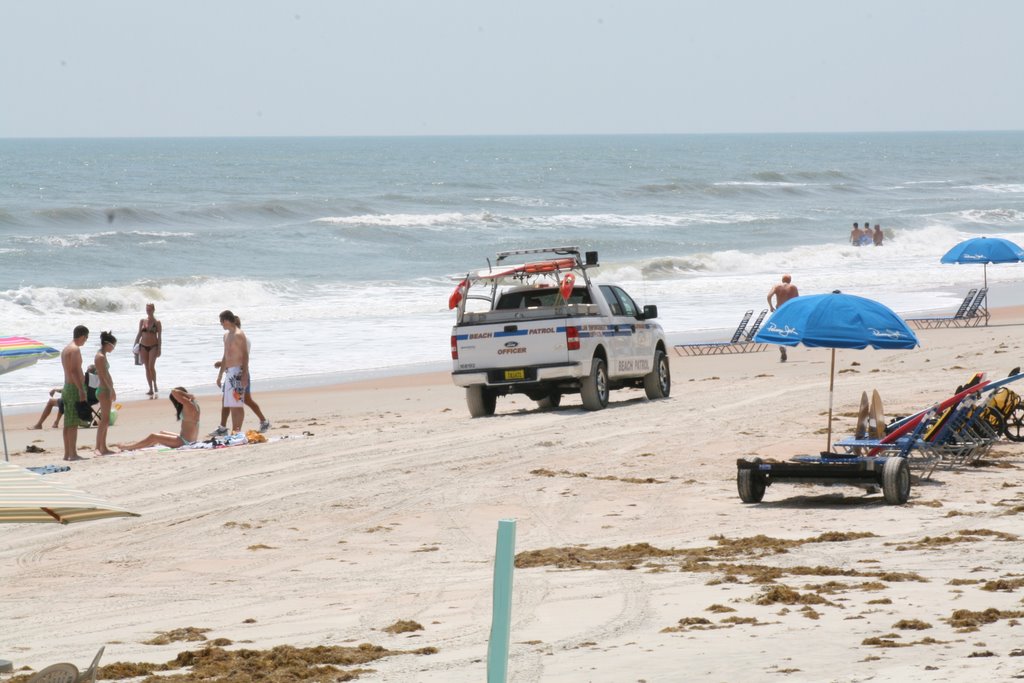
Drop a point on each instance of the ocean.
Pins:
(338, 253)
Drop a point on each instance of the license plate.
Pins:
(515, 374)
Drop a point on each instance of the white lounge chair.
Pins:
(68, 673)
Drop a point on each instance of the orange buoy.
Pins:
(565, 289)
(456, 297)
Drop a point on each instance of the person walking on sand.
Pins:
(783, 292)
(222, 428)
(150, 340)
(235, 366)
(188, 412)
(76, 407)
(105, 391)
(877, 236)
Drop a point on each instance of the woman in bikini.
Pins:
(149, 339)
(105, 391)
(188, 412)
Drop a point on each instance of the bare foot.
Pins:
(75, 457)
(105, 452)
(36, 427)
(149, 393)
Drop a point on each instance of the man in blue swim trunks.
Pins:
(73, 394)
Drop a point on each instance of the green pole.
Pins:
(501, 617)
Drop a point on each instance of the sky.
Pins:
(125, 68)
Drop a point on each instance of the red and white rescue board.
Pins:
(549, 266)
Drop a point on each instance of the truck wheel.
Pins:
(750, 485)
(481, 400)
(594, 387)
(552, 400)
(658, 383)
(896, 481)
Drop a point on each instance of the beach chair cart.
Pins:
(888, 474)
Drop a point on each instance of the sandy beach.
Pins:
(378, 502)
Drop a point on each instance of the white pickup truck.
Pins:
(544, 330)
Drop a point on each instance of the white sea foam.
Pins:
(649, 219)
(516, 200)
(762, 183)
(998, 188)
(999, 216)
(405, 220)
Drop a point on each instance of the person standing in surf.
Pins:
(149, 340)
(105, 391)
(783, 292)
(878, 236)
(855, 235)
(235, 364)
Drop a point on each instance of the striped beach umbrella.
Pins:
(20, 352)
(26, 497)
(16, 353)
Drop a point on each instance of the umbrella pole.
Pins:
(3, 429)
(831, 385)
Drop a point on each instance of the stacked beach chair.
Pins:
(742, 340)
(972, 312)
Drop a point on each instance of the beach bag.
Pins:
(255, 437)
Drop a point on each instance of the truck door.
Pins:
(621, 332)
(641, 341)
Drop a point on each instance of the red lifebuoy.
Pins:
(565, 289)
(457, 295)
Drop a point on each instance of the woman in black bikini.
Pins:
(149, 339)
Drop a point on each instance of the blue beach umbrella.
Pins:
(984, 250)
(836, 321)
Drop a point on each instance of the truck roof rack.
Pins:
(590, 260)
(502, 255)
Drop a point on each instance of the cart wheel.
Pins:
(750, 485)
(896, 481)
(1015, 424)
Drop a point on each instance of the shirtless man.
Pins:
(855, 235)
(73, 394)
(235, 365)
(783, 292)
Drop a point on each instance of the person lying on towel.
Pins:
(188, 413)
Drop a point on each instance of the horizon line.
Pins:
(499, 135)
